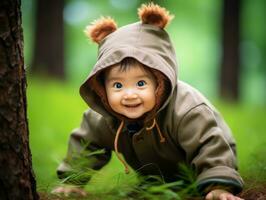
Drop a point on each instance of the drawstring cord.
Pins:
(162, 138)
(119, 130)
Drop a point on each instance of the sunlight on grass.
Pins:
(110, 178)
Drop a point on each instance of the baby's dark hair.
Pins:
(124, 65)
(128, 62)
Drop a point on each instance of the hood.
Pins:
(148, 44)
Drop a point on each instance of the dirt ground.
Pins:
(256, 193)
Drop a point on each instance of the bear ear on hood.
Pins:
(155, 15)
(100, 28)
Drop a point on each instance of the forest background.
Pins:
(54, 104)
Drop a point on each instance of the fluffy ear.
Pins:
(100, 28)
(154, 14)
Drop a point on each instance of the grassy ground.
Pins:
(54, 109)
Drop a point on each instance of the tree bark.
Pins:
(48, 54)
(16, 175)
(230, 68)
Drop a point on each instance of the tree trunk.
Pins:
(230, 68)
(48, 54)
(16, 175)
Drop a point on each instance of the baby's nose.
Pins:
(130, 94)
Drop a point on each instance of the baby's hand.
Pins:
(68, 190)
(219, 194)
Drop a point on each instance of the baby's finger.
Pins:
(209, 196)
(223, 197)
(57, 190)
(81, 192)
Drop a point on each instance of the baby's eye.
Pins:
(118, 85)
(141, 83)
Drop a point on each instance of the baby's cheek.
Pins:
(150, 99)
(114, 99)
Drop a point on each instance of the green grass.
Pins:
(53, 111)
(248, 124)
(55, 108)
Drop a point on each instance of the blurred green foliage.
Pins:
(55, 108)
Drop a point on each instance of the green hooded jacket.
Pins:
(194, 131)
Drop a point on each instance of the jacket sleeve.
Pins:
(210, 149)
(85, 153)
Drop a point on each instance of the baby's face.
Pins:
(131, 92)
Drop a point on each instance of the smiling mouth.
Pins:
(132, 105)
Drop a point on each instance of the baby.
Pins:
(140, 109)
